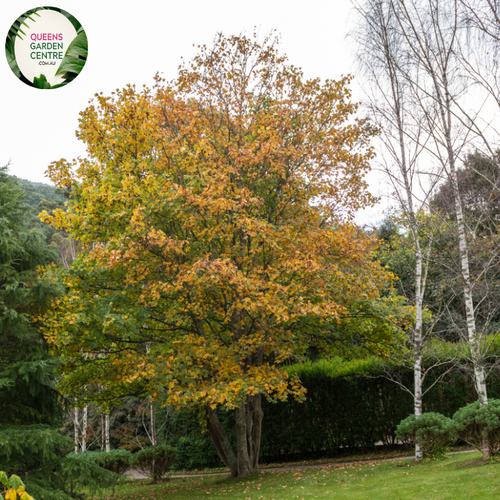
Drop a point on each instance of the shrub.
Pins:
(117, 461)
(154, 462)
(39, 455)
(434, 431)
(472, 419)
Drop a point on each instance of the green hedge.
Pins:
(349, 404)
(352, 404)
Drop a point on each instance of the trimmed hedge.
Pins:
(352, 404)
(349, 404)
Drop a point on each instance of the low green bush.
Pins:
(473, 419)
(154, 462)
(434, 432)
(117, 461)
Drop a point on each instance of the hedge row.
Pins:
(349, 405)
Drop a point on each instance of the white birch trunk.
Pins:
(106, 433)
(76, 426)
(474, 342)
(417, 343)
(475, 347)
(419, 296)
(419, 285)
(103, 431)
(152, 428)
(84, 429)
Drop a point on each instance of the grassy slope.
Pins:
(451, 478)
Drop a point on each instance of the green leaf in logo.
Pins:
(41, 82)
(76, 55)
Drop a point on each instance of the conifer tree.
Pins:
(30, 445)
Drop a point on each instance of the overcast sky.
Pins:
(130, 41)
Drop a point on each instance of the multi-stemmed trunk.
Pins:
(245, 459)
(434, 48)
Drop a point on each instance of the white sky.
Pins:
(130, 41)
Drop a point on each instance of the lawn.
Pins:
(457, 477)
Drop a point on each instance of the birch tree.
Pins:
(431, 33)
(431, 36)
(381, 56)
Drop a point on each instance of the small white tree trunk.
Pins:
(419, 283)
(417, 346)
(76, 426)
(475, 348)
(154, 438)
(84, 429)
(106, 433)
(103, 432)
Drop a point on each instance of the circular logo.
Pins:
(46, 47)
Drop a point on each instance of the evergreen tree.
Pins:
(26, 370)
(30, 445)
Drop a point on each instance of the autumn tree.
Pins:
(214, 213)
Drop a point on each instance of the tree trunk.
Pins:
(382, 58)
(475, 348)
(152, 427)
(103, 431)
(84, 429)
(76, 426)
(248, 436)
(106, 433)
(417, 347)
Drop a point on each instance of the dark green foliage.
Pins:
(434, 432)
(154, 462)
(472, 419)
(348, 405)
(39, 454)
(478, 183)
(352, 404)
(193, 443)
(29, 447)
(26, 371)
(23, 448)
(117, 461)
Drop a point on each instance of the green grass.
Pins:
(451, 478)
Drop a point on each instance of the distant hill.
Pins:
(41, 196)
